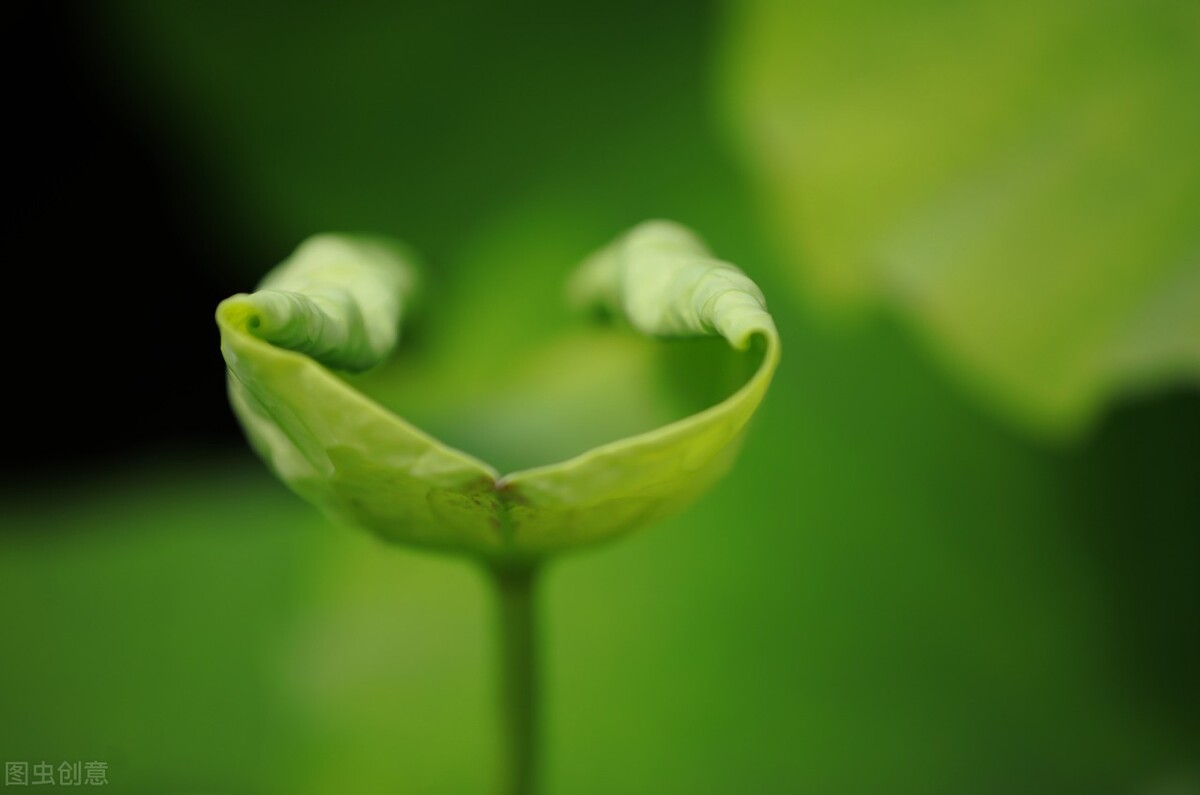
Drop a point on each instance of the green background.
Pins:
(896, 590)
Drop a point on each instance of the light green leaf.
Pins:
(1021, 179)
(337, 302)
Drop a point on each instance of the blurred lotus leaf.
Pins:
(669, 406)
(1022, 179)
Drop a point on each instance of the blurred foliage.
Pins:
(891, 593)
(1021, 179)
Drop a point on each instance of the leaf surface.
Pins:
(1020, 179)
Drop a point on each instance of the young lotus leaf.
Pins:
(336, 305)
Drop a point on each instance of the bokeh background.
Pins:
(941, 565)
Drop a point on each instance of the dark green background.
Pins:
(894, 591)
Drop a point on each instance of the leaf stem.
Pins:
(519, 703)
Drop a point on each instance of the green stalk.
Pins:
(519, 702)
